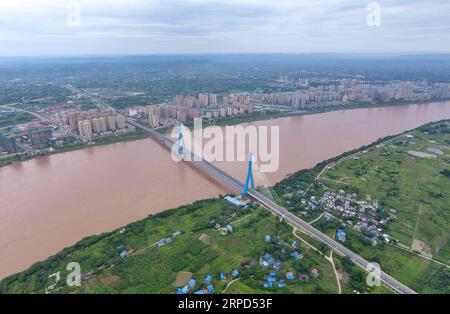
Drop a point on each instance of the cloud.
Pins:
(179, 26)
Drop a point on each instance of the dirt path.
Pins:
(245, 217)
(420, 255)
(229, 284)
(330, 259)
(417, 221)
(318, 176)
(294, 230)
(311, 222)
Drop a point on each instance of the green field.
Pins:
(414, 187)
(18, 118)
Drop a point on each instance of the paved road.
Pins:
(23, 110)
(284, 213)
(32, 113)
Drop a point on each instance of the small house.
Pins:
(232, 200)
(290, 275)
(192, 283)
(342, 235)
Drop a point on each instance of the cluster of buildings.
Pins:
(58, 123)
(36, 137)
(334, 93)
(8, 144)
(168, 240)
(273, 280)
(185, 108)
(363, 215)
(277, 279)
(206, 287)
(90, 124)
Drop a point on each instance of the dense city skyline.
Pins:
(44, 27)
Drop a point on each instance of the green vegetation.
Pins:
(18, 118)
(414, 190)
(200, 250)
(408, 175)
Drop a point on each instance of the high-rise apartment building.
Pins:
(99, 125)
(39, 137)
(213, 100)
(8, 143)
(85, 128)
(153, 120)
(120, 119)
(111, 123)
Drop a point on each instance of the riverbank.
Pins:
(160, 253)
(276, 114)
(8, 160)
(4, 161)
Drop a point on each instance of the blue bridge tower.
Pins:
(249, 176)
(180, 148)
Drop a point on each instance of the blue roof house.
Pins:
(290, 275)
(160, 242)
(176, 233)
(233, 200)
(342, 236)
(183, 290)
(192, 283)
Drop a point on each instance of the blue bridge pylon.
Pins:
(249, 176)
(180, 148)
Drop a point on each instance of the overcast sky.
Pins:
(40, 27)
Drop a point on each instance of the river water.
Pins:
(50, 203)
